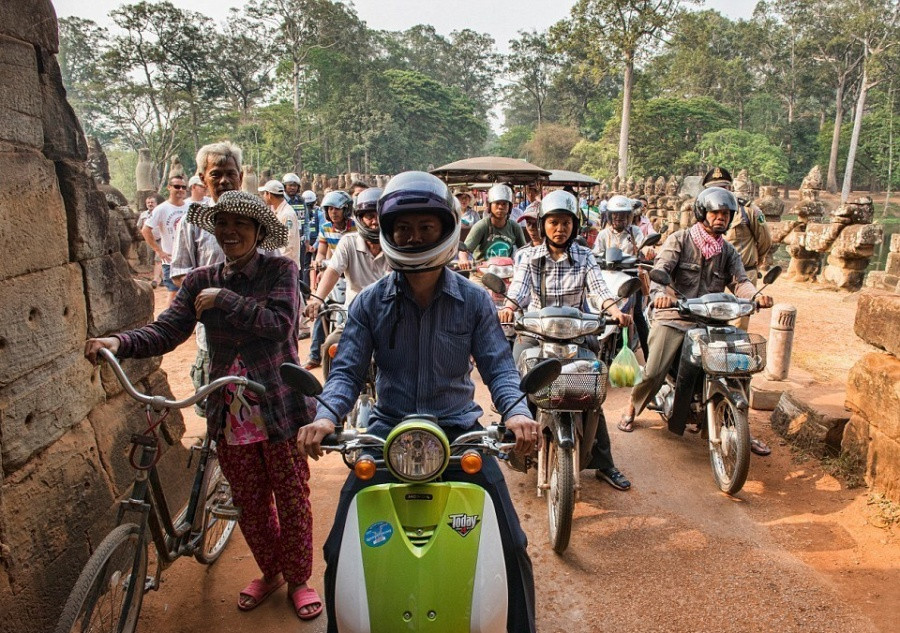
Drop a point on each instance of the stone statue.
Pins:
(629, 186)
(669, 187)
(97, 161)
(176, 168)
(251, 180)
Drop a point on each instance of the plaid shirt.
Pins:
(254, 316)
(568, 281)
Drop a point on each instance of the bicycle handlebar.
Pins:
(159, 402)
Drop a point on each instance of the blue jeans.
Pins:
(318, 339)
(167, 279)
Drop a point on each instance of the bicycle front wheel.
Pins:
(219, 514)
(108, 594)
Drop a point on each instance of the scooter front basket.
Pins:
(572, 392)
(741, 357)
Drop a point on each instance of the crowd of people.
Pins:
(248, 275)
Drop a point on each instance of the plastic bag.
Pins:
(624, 371)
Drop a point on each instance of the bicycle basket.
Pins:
(741, 357)
(571, 392)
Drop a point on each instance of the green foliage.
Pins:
(737, 149)
(551, 146)
(512, 142)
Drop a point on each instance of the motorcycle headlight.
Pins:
(557, 350)
(561, 327)
(721, 310)
(503, 272)
(416, 451)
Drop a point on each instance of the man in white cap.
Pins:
(197, 191)
(273, 194)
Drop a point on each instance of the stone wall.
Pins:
(63, 430)
(872, 436)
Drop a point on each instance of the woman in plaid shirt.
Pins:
(249, 307)
(559, 273)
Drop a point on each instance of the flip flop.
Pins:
(759, 447)
(304, 597)
(258, 590)
(626, 424)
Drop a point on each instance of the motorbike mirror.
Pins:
(300, 380)
(581, 240)
(304, 288)
(541, 375)
(613, 255)
(772, 275)
(660, 276)
(494, 283)
(651, 240)
(629, 288)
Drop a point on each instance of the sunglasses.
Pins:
(178, 186)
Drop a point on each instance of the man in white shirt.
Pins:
(165, 219)
(273, 195)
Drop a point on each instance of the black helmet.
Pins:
(715, 199)
(366, 200)
(559, 201)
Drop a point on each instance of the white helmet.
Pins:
(418, 192)
(498, 193)
(555, 202)
(309, 197)
(620, 204)
(290, 177)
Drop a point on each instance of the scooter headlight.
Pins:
(561, 327)
(722, 310)
(416, 451)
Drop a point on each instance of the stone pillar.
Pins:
(781, 340)
(251, 180)
(144, 179)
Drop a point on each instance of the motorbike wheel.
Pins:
(730, 458)
(560, 496)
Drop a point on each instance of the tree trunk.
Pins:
(626, 117)
(854, 138)
(295, 85)
(831, 182)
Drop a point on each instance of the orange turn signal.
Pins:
(470, 462)
(332, 350)
(364, 468)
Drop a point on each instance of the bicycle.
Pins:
(106, 596)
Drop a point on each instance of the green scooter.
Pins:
(421, 554)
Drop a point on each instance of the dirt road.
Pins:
(795, 551)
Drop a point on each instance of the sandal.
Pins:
(304, 597)
(626, 424)
(258, 590)
(759, 447)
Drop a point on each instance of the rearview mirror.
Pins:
(660, 276)
(494, 283)
(773, 273)
(300, 380)
(629, 288)
(651, 240)
(540, 376)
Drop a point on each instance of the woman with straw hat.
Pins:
(249, 307)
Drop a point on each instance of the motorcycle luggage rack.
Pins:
(741, 357)
(572, 392)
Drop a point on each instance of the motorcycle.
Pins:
(420, 554)
(502, 268)
(712, 375)
(570, 409)
(618, 269)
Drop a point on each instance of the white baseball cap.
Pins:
(196, 180)
(273, 186)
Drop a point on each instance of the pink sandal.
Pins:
(258, 590)
(304, 597)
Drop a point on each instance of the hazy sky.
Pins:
(501, 18)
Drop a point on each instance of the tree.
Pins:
(246, 60)
(80, 62)
(531, 64)
(512, 142)
(551, 146)
(738, 149)
(876, 27)
(629, 26)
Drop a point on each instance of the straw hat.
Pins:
(241, 203)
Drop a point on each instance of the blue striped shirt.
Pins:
(423, 355)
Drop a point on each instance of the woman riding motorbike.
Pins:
(561, 272)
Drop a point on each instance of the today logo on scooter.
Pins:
(463, 523)
(378, 534)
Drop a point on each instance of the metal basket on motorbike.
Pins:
(572, 391)
(743, 356)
